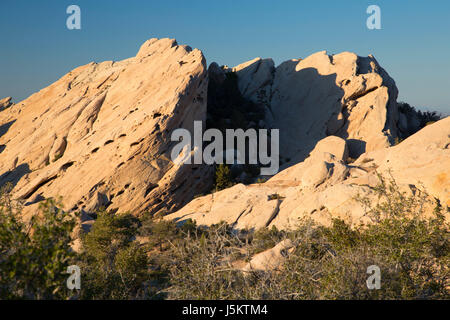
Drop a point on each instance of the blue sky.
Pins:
(413, 45)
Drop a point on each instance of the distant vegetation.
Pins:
(422, 119)
(223, 177)
(124, 257)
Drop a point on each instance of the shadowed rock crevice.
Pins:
(5, 103)
(274, 213)
(42, 182)
(15, 175)
(5, 127)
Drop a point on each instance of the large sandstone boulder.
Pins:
(100, 136)
(344, 95)
(324, 187)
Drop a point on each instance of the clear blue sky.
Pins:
(413, 46)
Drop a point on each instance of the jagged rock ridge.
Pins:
(344, 95)
(100, 136)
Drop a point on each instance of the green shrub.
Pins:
(223, 177)
(424, 117)
(34, 256)
(327, 262)
(191, 262)
(265, 238)
(158, 231)
(113, 265)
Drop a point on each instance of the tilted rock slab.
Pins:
(308, 99)
(422, 160)
(5, 103)
(100, 136)
(324, 187)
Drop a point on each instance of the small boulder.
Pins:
(270, 259)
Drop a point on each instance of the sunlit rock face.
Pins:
(308, 99)
(324, 186)
(100, 135)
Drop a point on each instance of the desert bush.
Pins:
(34, 256)
(424, 117)
(201, 267)
(113, 265)
(328, 262)
(157, 231)
(223, 177)
(186, 261)
(266, 238)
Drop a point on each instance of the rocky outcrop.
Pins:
(255, 79)
(324, 187)
(271, 259)
(100, 136)
(5, 103)
(422, 160)
(344, 95)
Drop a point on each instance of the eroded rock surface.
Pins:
(5, 103)
(324, 187)
(100, 135)
(308, 99)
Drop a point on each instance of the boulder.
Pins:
(101, 137)
(271, 259)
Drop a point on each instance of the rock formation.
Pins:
(5, 103)
(270, 259)
(100, 135)
(324, 187)
(344, 95)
